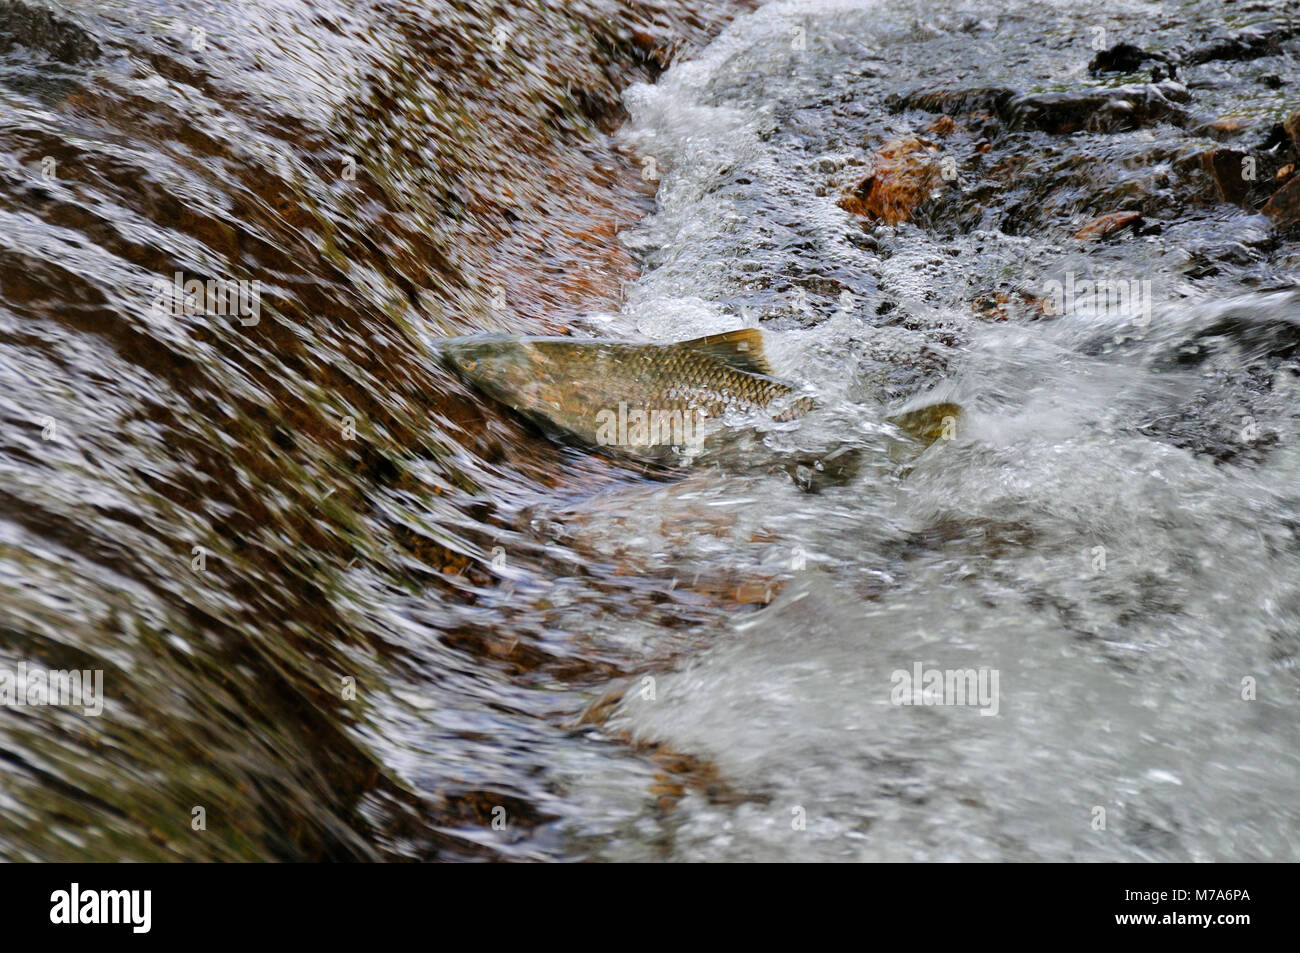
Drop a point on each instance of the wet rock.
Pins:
(943, 126)
(1264, 39)
(1225, 127)
(863, 241)
(1004, 303)
(1109, 225)
(1226, 166)
(1260, 173)
(1263, 340)
(904, 172)
(955, 102)
(39, 29)
(1095, 110)
(1291, 126)
(1120, 58)
(1100, 110)
(1283, 209)
(1226, 416)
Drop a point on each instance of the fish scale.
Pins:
(569, 384)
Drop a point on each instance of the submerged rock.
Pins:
(39, 29)
(1283, 209)
(1109, 225)
(1226, 166)
(904, 172)
(991, 99)
(1265, 39)
(1291, 126)
(1254, 42)
(1262, 176)
(1100, 110)
(1120, 58)
(1095, 110)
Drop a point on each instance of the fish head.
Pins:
(500, 365)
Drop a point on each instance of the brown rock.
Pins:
(1225, 166)
(748, 593)
(1000, 305)
(1292, 126)
(943, 126)
(1283, 209)
(1223, 127)
(943, 99)
(904, 171)
(1108, 225)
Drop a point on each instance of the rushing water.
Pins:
(352, 610)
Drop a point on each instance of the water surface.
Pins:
(610, 666)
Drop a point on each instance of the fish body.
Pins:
(650, 401)
(641, 399)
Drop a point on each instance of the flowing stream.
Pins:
(353, 610)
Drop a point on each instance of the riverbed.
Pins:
(351, 609)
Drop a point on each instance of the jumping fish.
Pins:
(641, 399)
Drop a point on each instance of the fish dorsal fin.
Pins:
(741, 349)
